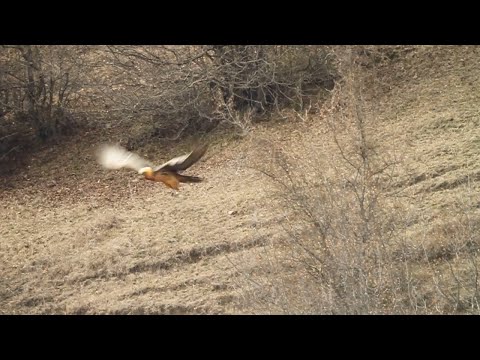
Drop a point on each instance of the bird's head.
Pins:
(146, 171)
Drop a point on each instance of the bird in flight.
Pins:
(116, 157)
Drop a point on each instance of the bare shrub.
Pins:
(338, 228)
(40, 94)
(347, 247)
(161, 91)
(188, 89)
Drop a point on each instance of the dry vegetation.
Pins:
(358, 200)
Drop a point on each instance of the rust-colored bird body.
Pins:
(115, 157)
(170, 178)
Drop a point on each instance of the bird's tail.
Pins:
(187, 179)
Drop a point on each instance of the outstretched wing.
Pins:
(116, 157)
(185, 161)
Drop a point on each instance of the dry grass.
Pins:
(126, 245)
(364, 233)
(74, 239)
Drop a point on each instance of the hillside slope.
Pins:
(76, 239)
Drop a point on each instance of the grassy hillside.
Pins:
(75, 238)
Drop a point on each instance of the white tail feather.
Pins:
(116, 157)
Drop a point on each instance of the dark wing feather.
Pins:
(183, 162)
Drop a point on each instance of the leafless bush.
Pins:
(194, 88)
(338, 226)
(346, 247)
(163, 91)
(40, 93)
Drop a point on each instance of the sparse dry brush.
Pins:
(347, 248)
(41, 94)
(157, 91)
(185, 89)
(357, 223)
